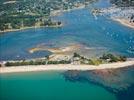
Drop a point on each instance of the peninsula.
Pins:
(76, 62)
(121, 11)
(27, 14)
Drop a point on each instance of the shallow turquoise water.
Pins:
(48, 86)
(80, 27)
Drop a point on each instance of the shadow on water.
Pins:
(117, 81)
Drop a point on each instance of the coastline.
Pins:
(64, 67)
(25, 28)
(59, 12)
(54, 13)
(124, 22)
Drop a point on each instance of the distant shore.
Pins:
(123, 15)
(124, 22)
(24, 28)
(54, 13)
(59, 12)
(65, 67)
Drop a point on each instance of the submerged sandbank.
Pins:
(64, 67)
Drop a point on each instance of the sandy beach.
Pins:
(65, 67)
(125, 22)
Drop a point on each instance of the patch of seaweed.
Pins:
(118, 81)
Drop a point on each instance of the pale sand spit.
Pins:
(125, 22)
(64, 67)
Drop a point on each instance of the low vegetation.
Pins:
(41, 62)
(113, 58)
(76, 59)
(106, 58)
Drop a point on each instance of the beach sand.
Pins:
(65, 67)
(124, 22)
